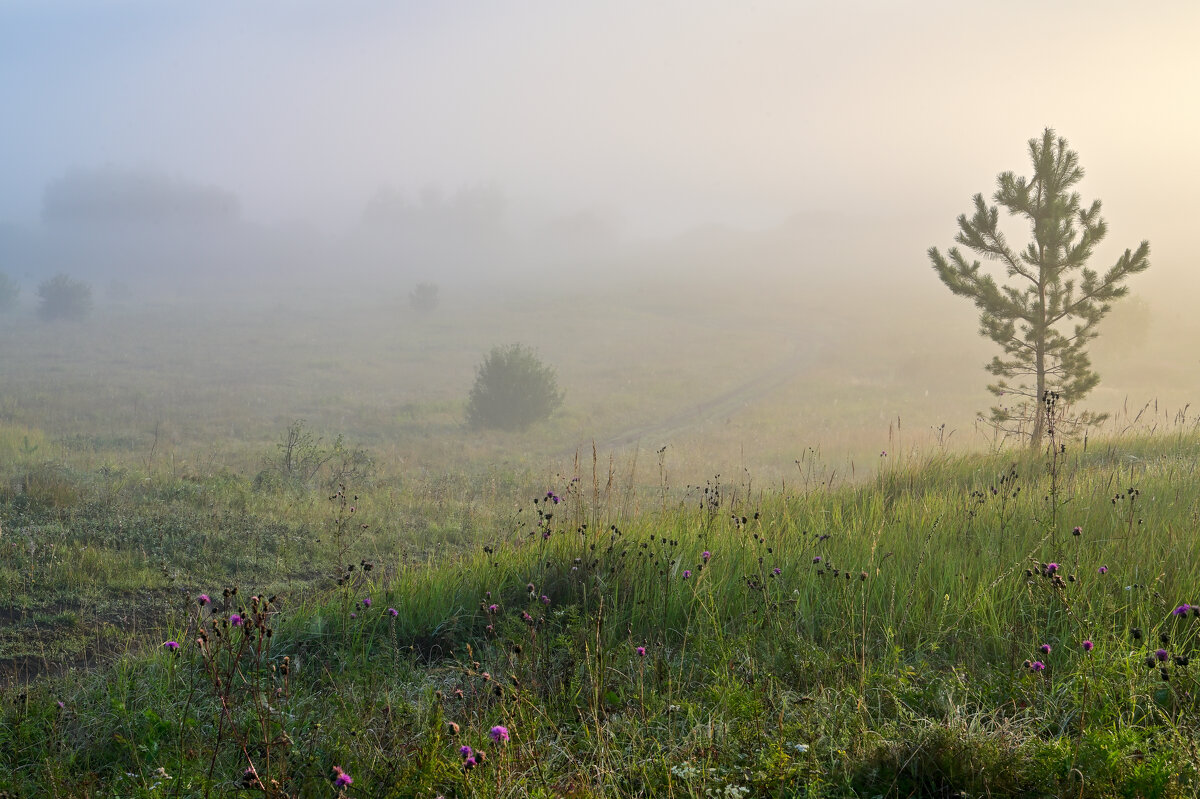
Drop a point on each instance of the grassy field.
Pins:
(1004, 624)
(726, 376)
(827, 583)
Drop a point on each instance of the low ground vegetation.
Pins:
(1008, 624)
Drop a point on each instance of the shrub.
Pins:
(424, 297)
(64, 298)
(9, 290)
(513, 389)
(301, 458)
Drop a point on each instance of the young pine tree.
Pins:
(1048, 312)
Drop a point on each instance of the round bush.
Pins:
(64, 298)
(513, 389)
(424, 297)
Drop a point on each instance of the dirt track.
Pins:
(728, 402)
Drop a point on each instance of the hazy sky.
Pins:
(666, 113)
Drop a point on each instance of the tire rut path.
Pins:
(736, 398)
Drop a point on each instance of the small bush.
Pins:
(64, 298)
(513, 389)
(9, 291)
(424, 297)
(302, 460)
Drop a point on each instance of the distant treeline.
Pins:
(113, 196)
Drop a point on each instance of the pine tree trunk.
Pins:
(1035, 439)
(1039, 418)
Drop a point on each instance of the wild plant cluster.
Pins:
(1012, 625)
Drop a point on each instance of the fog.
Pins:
(665, 116)
(754, 153)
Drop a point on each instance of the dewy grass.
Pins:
(950, 626)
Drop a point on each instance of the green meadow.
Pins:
(254, 551)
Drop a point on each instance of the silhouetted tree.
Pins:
(64, 298)
(1043, 321)
(123, 196)
(9, 291)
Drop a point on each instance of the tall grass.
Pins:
(1014, 624)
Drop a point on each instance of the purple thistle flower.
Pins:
(354, 615)
(465, 750)
(817, 559)
(62, 705)
(641, 651)
(777, 571)
(687, 573)
(203, 600)
(1182, 610)
(1051, 568)
(706, 555)
(471, 762)
(1161, 654)
(393, 612)
(340, 778)
(366, 602)
(1037, 665)
(1077, 531)
(172, 645)
(235, 620)
(498, 733)
(1103, 570)
(545, 599)
(1087, 646)
(493, 608)
(1045, 648)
